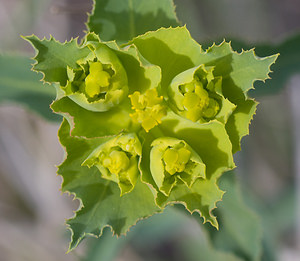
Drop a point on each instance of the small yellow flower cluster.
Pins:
(197, 103)
(149, 108)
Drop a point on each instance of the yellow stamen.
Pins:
(176, 159)
(96, 66)
(116, 162)
(97, 81)
(212, 109)
(149, 108)
(197, 103)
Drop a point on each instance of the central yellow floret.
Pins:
(97, 81)
(176, 159)
(116, 162)
(149, 108)
(197, 102)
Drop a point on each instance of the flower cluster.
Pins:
(151, 123)
(174, 116)
(99, 83)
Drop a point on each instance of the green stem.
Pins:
(131, 19)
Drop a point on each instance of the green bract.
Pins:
(197, 95)
(117, 160)
(99, 82)
(151, 123)
(173, 160)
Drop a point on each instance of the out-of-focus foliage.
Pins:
(240, 228)
(20, 85)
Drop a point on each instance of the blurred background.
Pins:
(260, 216)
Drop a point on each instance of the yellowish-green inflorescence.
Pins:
(99, 83)
(173, 161)
(152, 122)
(149, 108)
(193, 94)
(197, 103)
(117, 160)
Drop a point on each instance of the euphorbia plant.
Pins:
(148, 122)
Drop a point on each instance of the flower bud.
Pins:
(99, 83)
(172, 161)
(193, 94)
(117, 160)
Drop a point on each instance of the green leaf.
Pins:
(53, 57)
(122, 20)
(80, 119)
(286, 65)
(207, 253)
(106, 248)
(101, 204)
(196, 248)
(19, 84)
(239, 70)
(172, 49)
(173, 226)
(238, 222)
(238, 123)
(201, 197)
